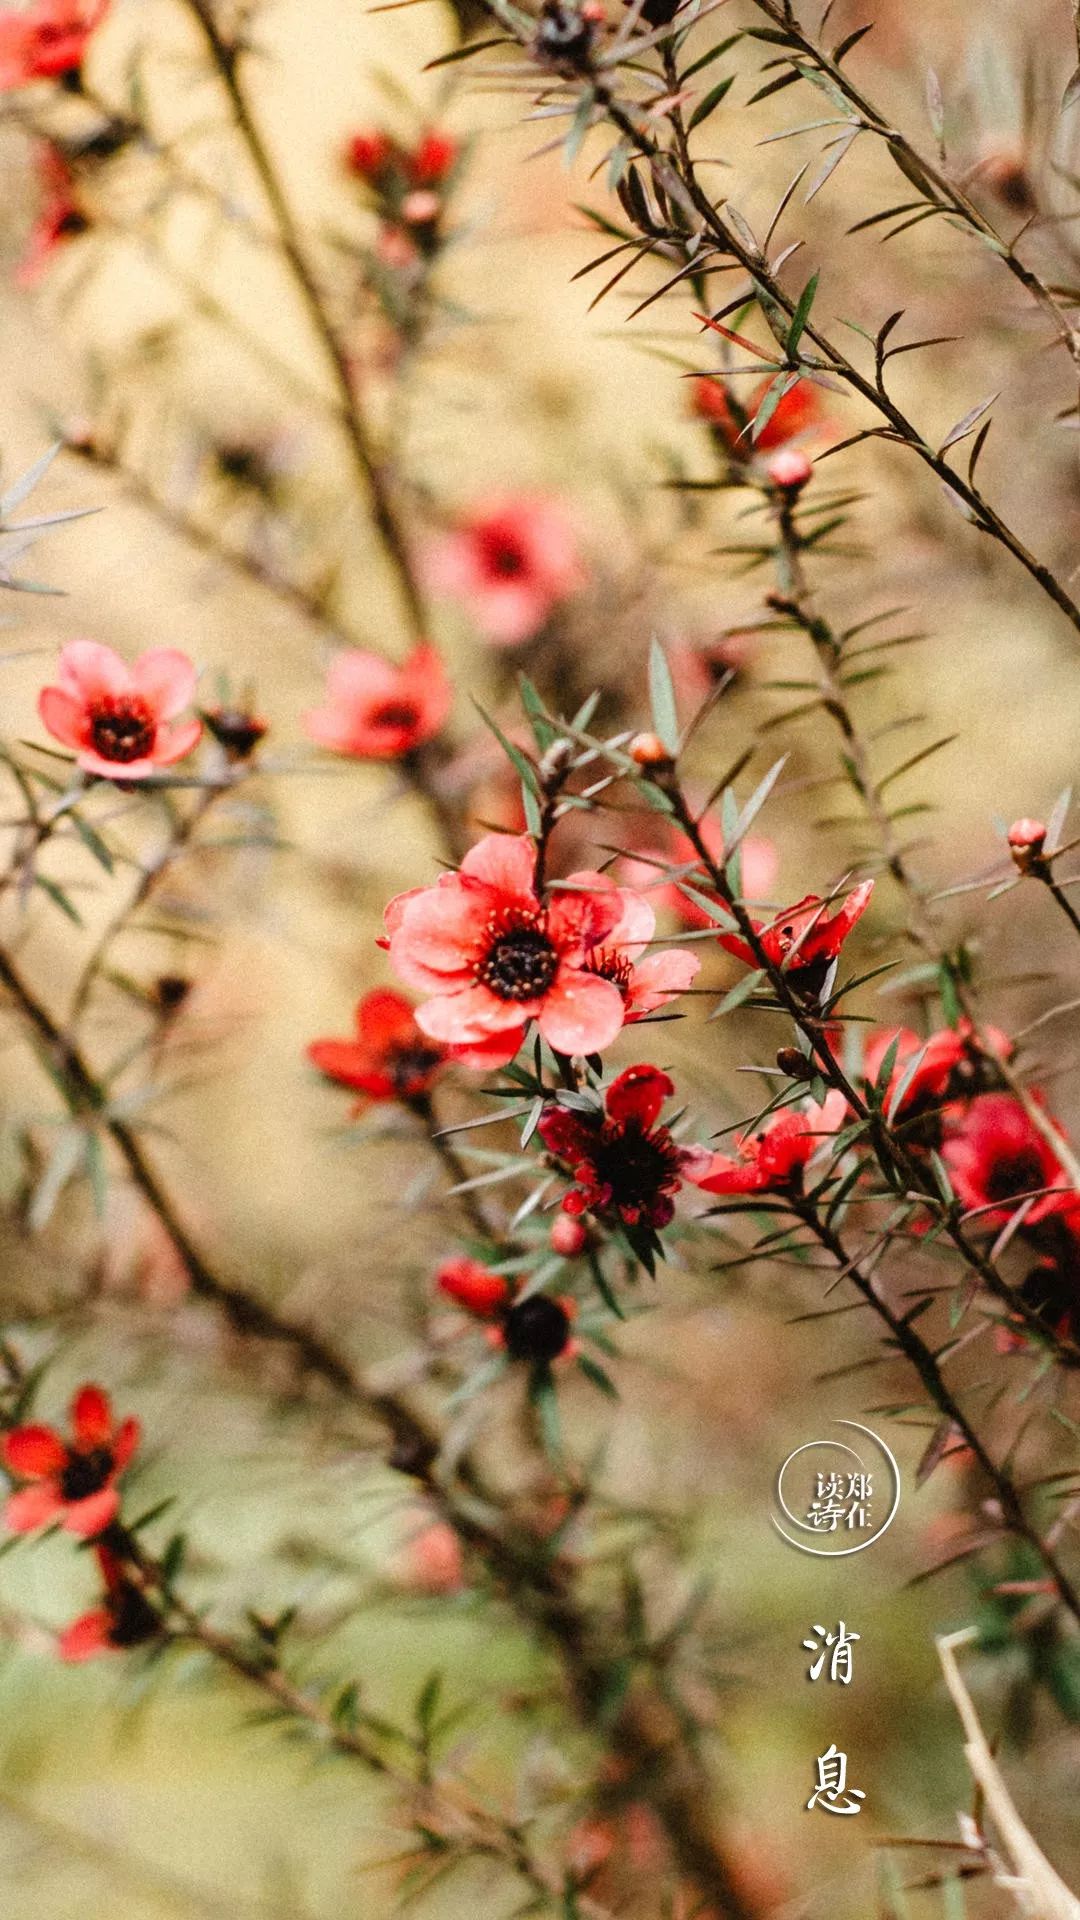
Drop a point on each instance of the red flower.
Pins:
(622, 1162)
(47, 40)
(74, 1483)
(645, 984)
(369, 154)
(432, 158)
(474, 1287)
(125, 1618)
(118, 718)
(495, 956)
(511, 561)
(996, 1156)
(773, 1159)
(945, 1053)
(390, 1059)
(61, 217)
(377, 711)
(804, 939)
(798, 410)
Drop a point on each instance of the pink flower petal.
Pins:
(63, 716)
(33, 1507)
(581, 1014)
(92, 672)
(175, 743)
(87, 1518)
(503, 860)
(661, 976)
(460, 1019)
(166, 679)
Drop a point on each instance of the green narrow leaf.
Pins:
(665, 716)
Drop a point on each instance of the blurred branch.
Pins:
(1038, 1891)
(226, 57)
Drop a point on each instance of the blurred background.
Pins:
(125, 1796)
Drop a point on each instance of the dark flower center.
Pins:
(71, 223)
(408, 1065)
(636, 1164)
(520, 963)
(397, 713)
(132, 1618)
(611, 966)
(86, 1473)
(122, 727)
(503, 555)
(1013, 1173)
(538, 1329)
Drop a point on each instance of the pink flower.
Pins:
(61, 217)
(377, 711)
(494, 956)
(46, 41)
(773, 1159)
(118, 718)
(510, 561)
(70, 1482)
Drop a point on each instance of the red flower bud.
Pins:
(473, 1286)
(648, 750)
(568, 1236)
(368, 154)
(1027, 839)
(789, 469)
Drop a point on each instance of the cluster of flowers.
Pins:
(72, 1483)
(408, 185)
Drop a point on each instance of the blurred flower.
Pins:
(804, 939)
(995, 1155)
(72, 1483)
(568, 1236)
(377, 711)
(789, 469)
(369, 154)
(773, 1159)
(61, 218)
(237, 729)
(945, 1054)
(495, 956)
(566, 32)
(46, 41)
(623, 1163)
(796, 412)
(758, 861)
(1052, 1290)
(390, 1059)
(125, 1619)
(432, 1561)
(117, 717)
(510, 561)
(473, 1286)
(435, 155)
(539, 1329)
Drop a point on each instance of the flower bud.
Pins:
(368, 155)
(795, 1064)
(568, 1236)
(789, 470)
(648, 750)
(1027, 839)
(238, 731)
(421, 207)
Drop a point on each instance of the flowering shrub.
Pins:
(539, 1307)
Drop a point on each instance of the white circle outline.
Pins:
(822, 1553)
